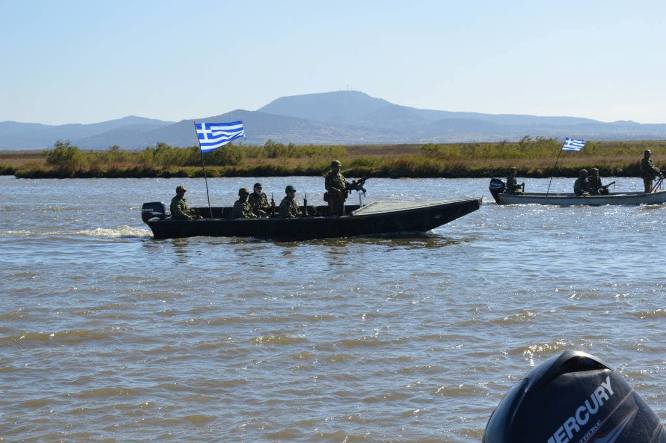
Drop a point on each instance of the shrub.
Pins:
(65, 157)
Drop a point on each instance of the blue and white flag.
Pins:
(571, 144)
(214, 135)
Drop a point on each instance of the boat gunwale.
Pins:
(352, 216)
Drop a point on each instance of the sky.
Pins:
(87, 61)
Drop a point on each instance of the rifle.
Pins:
(603, 189)
(272, 206)
(357, 185)
(305, 205)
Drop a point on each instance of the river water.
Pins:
(106, 333)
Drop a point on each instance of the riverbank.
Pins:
(533, 158)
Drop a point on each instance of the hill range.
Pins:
(341, 117)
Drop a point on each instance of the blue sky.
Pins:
(86, 61)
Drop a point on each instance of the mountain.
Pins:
(340, 117)
(340, 107)
(14, 135)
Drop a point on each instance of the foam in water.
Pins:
(119, 232)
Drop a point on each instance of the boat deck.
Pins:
(393, 206)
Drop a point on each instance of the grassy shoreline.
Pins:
(533, 158)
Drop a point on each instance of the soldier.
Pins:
(512, 186)
(259, 201)
(179, 208)
(594, 186)
(336, 189)
(242, 208)
(648, 170)
(581, 186)
(288, 206)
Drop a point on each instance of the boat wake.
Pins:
(119, 232)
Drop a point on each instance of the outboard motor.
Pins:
(153, 210)
(496, 187)
(573, 398)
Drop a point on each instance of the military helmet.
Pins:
(336, 163)
(647, 152)
(181, 188)
(242, 191)
(256, 185)
(289, 189)
(582, 173)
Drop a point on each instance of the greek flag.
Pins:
(571, 144)
(213, 135)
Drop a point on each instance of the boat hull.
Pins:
(628, 198)
(362, 222)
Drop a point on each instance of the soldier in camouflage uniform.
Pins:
(242, 208)
(594, 186)
(288, 206)
(512, 186)
(582, 183)
(179, 208)
(259, 202)
(648, 170)
(336, 189)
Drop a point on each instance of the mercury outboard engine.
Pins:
(573, 398)
(496, 187)
(153, 210)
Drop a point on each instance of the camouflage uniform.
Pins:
(259, 203)
(581, 186)
(289, 208)
(594, 185)
(336, 187)
(512, 185)
(648, 171)
(180, 210)
(242, 209)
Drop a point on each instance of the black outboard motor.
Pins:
(496, 187)
(573, 398)
(153, 210)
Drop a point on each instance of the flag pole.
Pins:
(203, 166)
(554, 166)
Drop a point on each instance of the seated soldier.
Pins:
(595, 187)
(242, 208)
(582, 183)
(179, 208)
(259, 201)
(512, 186)
(288, 206)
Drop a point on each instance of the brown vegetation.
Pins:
(533, 157)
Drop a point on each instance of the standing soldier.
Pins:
(242, 208)
(259, 201)
(288, 206)
(512, 186)
(582, 183)
(179, 208)
(336, 189)
(648, 170)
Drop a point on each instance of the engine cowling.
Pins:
(573, 398)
